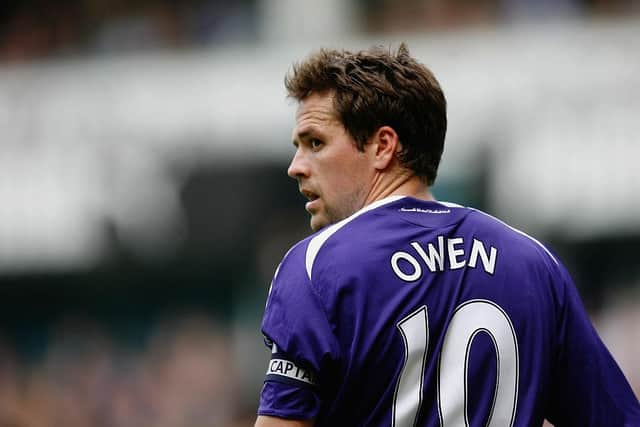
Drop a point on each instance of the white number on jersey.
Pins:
(468, 320)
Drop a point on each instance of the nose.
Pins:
(299, 167)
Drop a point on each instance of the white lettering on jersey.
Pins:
(285, 368)
(407, 267)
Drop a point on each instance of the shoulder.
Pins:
(337, 241)
(517, 243)
(291, 295)
(290, 274)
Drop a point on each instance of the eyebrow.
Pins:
(304, 134)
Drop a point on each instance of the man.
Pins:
(404, 311)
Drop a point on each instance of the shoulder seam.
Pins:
(522, 233)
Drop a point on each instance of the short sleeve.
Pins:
(304, 348)
(588, 387)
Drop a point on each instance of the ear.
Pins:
(385, 143)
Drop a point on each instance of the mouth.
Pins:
(313, 200)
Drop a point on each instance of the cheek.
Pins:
(345, 174)
(346, 181)
(356, 172)
(350, 183)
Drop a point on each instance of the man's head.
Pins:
(359, 98)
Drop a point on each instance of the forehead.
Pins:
(316, 110)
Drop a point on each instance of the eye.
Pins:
(315, 143)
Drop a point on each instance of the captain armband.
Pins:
(285, 371)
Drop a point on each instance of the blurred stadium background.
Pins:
(144, 202)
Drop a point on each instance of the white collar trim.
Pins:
(316, 243)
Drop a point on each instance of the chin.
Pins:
(317, 224)
(316, 227)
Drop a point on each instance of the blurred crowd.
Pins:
(183, 376)
(34, 29)
(388, 15)
(187, 370)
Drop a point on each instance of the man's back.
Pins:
(421, 313)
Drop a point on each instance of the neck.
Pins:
(403, 183)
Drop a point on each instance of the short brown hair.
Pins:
(379, 87)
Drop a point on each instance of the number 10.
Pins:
(468, 320)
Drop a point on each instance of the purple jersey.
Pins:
(413, 313)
